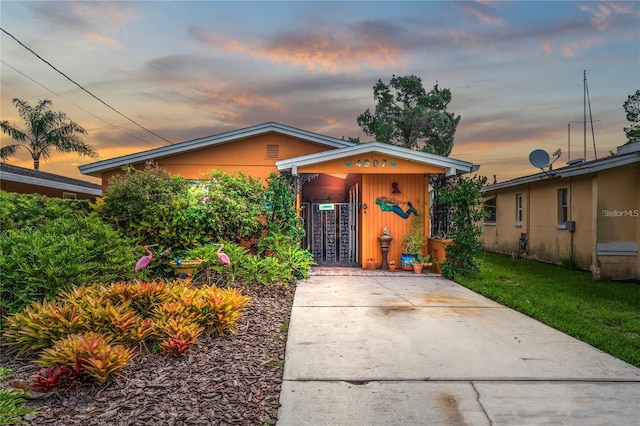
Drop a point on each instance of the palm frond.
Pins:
(13, 131)
(8, 151)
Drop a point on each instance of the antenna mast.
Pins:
(584, 110)
(587, 99)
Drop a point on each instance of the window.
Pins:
(490, 210)
(518, 209)
(69, 195)
(563, 206)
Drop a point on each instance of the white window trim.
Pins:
(70, 195)
(519, 210)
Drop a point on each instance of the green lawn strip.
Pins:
(603, 313)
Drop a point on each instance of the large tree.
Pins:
(45, 130)
(407, 115)
(632, 108)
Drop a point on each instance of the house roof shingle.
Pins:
(626, 155)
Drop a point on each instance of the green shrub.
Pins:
(18, 211)
(282, 217)
(35, 263)
(156, 208)
(280, 261)
(294, 259)
(236, 206)
(12, 406)
(134, 195)
(226, 274)
(463, 198)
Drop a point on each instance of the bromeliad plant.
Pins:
(83, 332)
(88, 352)
(49, 378)
(41, 324)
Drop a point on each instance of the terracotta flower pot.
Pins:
(392, 268)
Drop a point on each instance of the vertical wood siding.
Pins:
(413, 188)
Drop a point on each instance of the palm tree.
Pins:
(46, 129)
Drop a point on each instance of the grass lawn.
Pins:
(603, 313)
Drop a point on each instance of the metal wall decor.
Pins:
(392, 205)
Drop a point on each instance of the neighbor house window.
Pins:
(563, 205)
(518, 209)
(69, 195)
(490, 210)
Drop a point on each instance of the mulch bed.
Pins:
(230, 380)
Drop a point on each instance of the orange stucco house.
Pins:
(347, 192)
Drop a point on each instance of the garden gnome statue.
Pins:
(385, 241)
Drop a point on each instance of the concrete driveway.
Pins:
(403, 349)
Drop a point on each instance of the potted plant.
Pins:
(412, 243)
(421, 262)
(371, 263)
(392, 266)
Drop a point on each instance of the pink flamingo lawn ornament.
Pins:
(222, 256)
(144, 261)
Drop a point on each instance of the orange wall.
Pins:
(248, 155)
(385, 165)
(414, 188)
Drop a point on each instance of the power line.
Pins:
(74, 104)
(85, 90)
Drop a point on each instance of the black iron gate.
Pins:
(332, 232)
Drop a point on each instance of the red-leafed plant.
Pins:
(176, 345)
(89, 350)
(49, 378)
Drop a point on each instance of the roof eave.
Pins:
(30, 180)
(577, 170)
(451, 165)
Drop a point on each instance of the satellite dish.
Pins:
(539, 158)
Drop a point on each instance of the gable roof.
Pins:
(626, 155)
(95, 169)
(451, 165)
(48, 180)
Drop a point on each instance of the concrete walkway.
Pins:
(404, 349)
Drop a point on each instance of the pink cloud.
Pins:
(603, 13)
(485, 18)
(103, 40)
(315, 51)
(570, 49)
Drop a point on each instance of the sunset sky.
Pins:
(185, 70)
